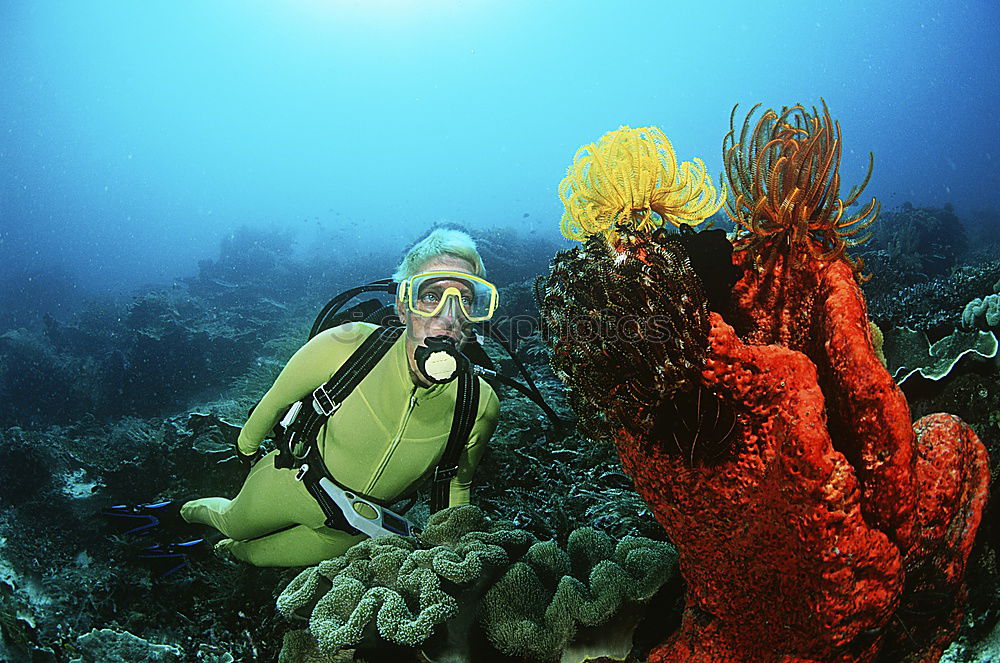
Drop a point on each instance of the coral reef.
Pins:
(532, 598)
(71, 576)
(981, 225)
(59, 583)
(65, 463)
(935, 297)
(908, 352)
(933, 305)
(370, 599)
(781, 459)
(922, 242)
(32, 370)
(631, 177)
(150, 357)
(300, 647)
(18, 638)
(552, 480)
(984, 312)
(581, 602)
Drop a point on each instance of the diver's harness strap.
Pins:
(466, 406)
(299, 430)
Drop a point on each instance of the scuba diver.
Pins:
(363, 415)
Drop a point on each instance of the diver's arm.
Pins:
(460, 488)
(312, 365)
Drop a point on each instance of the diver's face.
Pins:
(450, 321)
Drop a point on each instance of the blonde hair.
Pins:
(441, 241)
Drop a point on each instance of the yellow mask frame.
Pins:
(477, 305)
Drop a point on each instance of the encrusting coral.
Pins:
(530, 597)
(631, 177)
(813, 521)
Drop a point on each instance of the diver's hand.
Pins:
(248, 461)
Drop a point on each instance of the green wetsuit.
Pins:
(384, 441)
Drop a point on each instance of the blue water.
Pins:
(135, 135)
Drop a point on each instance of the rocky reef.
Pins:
(571, 552)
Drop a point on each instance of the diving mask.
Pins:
(428, 294)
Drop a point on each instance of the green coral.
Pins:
(982, 313)
(908, 351)
(372, 584)
(391, 588)
(546, 602)
(532, 598)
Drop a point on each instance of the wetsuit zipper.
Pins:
(394, 444)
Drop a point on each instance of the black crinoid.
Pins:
(628, 324)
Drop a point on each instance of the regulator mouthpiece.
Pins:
(439, 359)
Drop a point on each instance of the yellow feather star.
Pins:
(631, 177)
